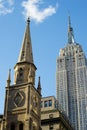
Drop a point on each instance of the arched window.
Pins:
(21, 72)
(12, 126)
(21, 126)
(20, 75)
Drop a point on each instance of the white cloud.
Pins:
(6, 6)
(32, 10)
(10, 2)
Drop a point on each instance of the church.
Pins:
(24, 109)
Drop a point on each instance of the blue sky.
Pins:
(49, 23)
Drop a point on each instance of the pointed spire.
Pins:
(39, 86)
(70, 32)
(9, 78)
(69, 21)
(26, 54)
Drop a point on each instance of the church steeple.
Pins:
(26, 54)
(70, 32)
(25, 61)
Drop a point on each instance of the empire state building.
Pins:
(71, 79)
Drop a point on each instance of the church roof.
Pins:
(26, 54)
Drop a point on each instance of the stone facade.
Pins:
(52, 116)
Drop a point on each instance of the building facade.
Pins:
(72, 81)
(52, 116)
(22, 99)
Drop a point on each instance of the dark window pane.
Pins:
(50, 103)
(46, 104)
(12, 126)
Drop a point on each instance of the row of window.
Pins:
(47, 103)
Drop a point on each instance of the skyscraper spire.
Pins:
(70, 32)
(26, 54)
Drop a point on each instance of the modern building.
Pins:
(72, 81)
(52, 116)
(22, 110)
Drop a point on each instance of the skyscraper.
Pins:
(72, 81)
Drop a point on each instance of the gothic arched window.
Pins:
(20, 75)
(21, 72)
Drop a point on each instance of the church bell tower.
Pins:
(22, 101)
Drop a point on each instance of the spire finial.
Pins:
(9, 78)
(69, 21)
(39, 85)
(70, 32)
(28, 20)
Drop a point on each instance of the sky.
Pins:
(48, 26)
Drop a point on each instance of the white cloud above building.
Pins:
(33, 10)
